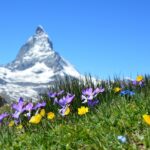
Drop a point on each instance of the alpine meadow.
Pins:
(75, 75)
(79, 114)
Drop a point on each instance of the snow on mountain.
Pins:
(35, 67)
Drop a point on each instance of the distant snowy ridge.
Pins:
(35, 67)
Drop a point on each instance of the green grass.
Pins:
(96, 130)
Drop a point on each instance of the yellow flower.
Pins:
(67, 111)
(50, 115)
(20, 126)
(42, 112)
(139, 78)
(35, 119)
(117, 89)
(83, 110)
(146, 119)
(11, 123)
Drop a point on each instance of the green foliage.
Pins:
(97, 130)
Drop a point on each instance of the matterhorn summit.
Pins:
(36, 66)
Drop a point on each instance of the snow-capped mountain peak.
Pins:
(35, 67)
(40, 30)
(38, 48)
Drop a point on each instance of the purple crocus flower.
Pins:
(98, 90)
(19, 108)
(65, 103)
(39, 105)
(89, 94)
(63, 110)
(92, 103)
(16, 114)
(87, 91)
(53, 95)
(65, 100)
(134, 82)
(29, 108)
(141, 83)
(2, 116)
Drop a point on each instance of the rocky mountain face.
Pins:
(35, 67)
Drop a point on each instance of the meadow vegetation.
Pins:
(81, 115)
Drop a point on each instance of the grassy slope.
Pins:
(98, 129)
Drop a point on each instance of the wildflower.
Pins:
(122, 139)
(64, 110)
(98, 90)
(53, 95)
(117, 89)
(89, 94)
(92, 103)
(67, 111)
(39, 105)
(50, 115)
(83, 110)
(127, 92)
(2, 116)
(139, 78)
(42, 112)
(20, 126)
(29, 108)
(35, 119)
(65, 103)
(134, 82)
(140, 83)
(65, 100)
(19, 108)
(146, 119)
(11, 123)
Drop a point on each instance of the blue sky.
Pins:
(101, 37)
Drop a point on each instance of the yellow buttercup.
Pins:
(139, 78)
(50, 115)
(11, 123)
(117, 89)
(35, 119)
(83, 110)
(42, 112)
(146, 119)
(67, 111)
